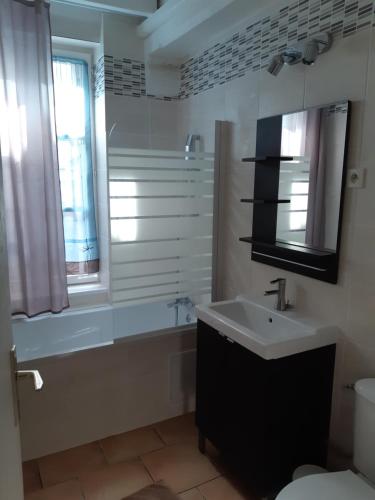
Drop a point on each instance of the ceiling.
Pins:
(182, 28)
(142, 8)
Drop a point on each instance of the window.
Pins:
(73, 124)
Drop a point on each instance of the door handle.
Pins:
(16, 375)
(34, 374)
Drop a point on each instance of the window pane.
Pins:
(72, 101)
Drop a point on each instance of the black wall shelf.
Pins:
(284, 245)
(247, 239)
(262, 202)
(292, 257)
(267, 159)
(319, 264)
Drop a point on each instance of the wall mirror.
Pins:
(300, 169)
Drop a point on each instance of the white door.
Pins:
(11, 487)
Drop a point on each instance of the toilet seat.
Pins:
(329, 486)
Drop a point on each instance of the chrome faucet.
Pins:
(184, 301)
(281, 303)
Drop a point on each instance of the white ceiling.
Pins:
(177, 31)
(173, 36)
(143, 8)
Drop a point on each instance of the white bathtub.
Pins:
(106, 370)
(75, 330)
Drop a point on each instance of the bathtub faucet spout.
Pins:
(183, 301)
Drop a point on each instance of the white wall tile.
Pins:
(121, 139)
(163, 117)
(365, 205)
(242, 109)
(130, 114)
(341, 72)
(174, 142)
(282, 93)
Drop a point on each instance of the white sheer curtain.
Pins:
(72, 100)
(33, 212)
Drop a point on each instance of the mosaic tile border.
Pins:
(122, 77)
(247, 50)
(251, 48)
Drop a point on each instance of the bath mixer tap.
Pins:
(184, 301)
(281, 302)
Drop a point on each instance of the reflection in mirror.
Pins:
(315, 138)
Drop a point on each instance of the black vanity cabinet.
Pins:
(266, 417)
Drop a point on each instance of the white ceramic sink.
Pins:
(269, 333)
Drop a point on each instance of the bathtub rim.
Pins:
(179, 330)
(72, 311)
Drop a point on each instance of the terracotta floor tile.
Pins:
(130, 445)
(71, 490)
(191, 495)
(115, 482)
(222, 489)
(70, 464)
(181, 467)
(178, 430)
(153, 492)
(31, 477)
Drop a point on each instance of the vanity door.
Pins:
(230, 393)
(266, 417)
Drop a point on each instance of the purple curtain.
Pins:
(315, 223)
(33, 211)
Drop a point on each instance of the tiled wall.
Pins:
(212, 89)
(251, 48)
(347, 71)
(247, 50)
(121, 77)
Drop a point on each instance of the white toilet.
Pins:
(345, 485)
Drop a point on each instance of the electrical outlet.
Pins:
(356, 178)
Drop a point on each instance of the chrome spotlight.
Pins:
(306, 51)
(275, 65)
(310, 52)
(316, 46)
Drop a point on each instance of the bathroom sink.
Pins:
(269, 333)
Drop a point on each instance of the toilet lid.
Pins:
(329, 486)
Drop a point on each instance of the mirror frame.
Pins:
(319, 264)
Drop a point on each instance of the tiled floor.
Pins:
(118, 466)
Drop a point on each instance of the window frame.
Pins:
(77, 49)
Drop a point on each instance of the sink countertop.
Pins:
(267, 332)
